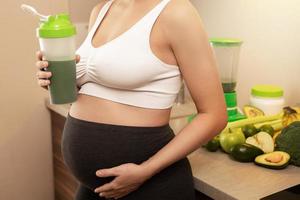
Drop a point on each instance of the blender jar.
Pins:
(227, 55)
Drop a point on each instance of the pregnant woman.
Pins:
(117, 140)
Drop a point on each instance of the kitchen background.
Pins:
(270, 54)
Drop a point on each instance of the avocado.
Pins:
(251, 111)
(245, 152)
(268, 129)
(213, 145)
(273, 160)
(249, 130)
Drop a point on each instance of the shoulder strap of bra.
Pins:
(145, 23)
(100, 16)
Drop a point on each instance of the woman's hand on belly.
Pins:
(129, 177)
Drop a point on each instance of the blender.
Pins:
(226, 52)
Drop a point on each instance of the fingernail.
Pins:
(101, 194)
(99, 172)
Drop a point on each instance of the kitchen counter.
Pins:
(219, 177)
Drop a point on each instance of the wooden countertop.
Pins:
(221, 178)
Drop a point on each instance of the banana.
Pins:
(290, 115)
(297, 109)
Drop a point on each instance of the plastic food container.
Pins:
(268, 98)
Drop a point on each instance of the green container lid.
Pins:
(267, 91)
(57, 26)
(230, 99)
(225, 42)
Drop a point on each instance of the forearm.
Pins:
(199, 131)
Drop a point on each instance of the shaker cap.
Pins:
(57, 26)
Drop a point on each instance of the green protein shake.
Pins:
(57, 42)
(63, 81)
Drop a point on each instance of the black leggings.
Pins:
(88, 146)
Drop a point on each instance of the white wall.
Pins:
(270, 30)
(25, 133)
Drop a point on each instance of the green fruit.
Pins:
(251, 111)
(273, 160)
(267, 128)
(213, 145)
(263, 141)
(245, 152)
(231, 138)
(249, 130)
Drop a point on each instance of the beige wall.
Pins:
(270, 31)
(80, 10)
(25, 140)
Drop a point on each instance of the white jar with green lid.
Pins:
(268, 98)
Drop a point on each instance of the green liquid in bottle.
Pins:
(63, 81)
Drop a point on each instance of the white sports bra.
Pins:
(125, 70)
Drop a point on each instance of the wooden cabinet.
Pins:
(64, 183)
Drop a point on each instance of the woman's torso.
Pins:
(102, 110)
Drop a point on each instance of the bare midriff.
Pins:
(101, 110)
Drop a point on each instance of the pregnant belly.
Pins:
(89, 146)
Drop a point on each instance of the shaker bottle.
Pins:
(56, 35)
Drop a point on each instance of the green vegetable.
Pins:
(273, 160)
(253, 120)
(245, 152)
(249, 130)
(213, 145)
(276, 124)
(289, 141)
(268, 129)
(276, 121)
